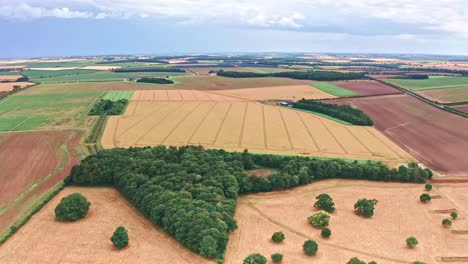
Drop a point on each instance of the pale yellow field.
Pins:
(288, 92)
(239, 125)
(181, 95)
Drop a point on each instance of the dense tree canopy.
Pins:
(301, 75)
(310, 247)
(365, 207)
(120, 237)
(72, 207)
(109, 107)
(255, 259)
(155, 80)
(325, 202)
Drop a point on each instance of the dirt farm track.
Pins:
(235, 124)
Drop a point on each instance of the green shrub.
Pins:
(425, 198)
(326, 232)
(428, 186)
(355, 261)
(72, 207)
(325, 202)
(277, 257)
(255, 259)
(365, 207)
(447, 222)
(454, 215)
(310, 247)
(411, 242)
(319, 219)
(278, 237)
(120, 237)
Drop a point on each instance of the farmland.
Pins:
(289, 92)
(237, 125)
(86, 87)
(148, 244)
(457, 94)
(6, 87)
(117, 95)
(463, 108)
(10, 78)
(333, 89)
(366, 87)
(434, 82)
(39, 75)
(32, 163)
(399, 214)
(433, 136)
(102, 76)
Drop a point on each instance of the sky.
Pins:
(50, 28)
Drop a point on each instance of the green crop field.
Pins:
(266, 69)
(104, 76)
(61, 64)
(53, 111)
(333, 89)
(37, 75)
(117, 95)
(436, 82)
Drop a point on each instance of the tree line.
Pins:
(191, 192)
(109, 107)
(148, 70)
(343, 112)
(301, 75)
(155, 80)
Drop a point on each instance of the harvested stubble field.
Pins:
(452, 95)
(85, 87)
(9, 78)
(367, 87)
(32, 163)
(180, 95)
(399, 214)
(6, 87)
(238, 125)
(433, 136)
(87, 240)
(434, 82)
(289, 92)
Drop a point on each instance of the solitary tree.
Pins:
(255, 259)
(411, 242)
(326, 232)
(278, 237)
(355, 261)
(325, 202)
(72, 207)
(319, 219)
(310, 247)
(277, 257)
(447, 222)
(418, 262)
(428, 186)
(425, 198)
(365, 207)
(120, 237)
(454, 215)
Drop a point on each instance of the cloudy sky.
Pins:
(30, 28)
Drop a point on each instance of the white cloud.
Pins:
(430, 15)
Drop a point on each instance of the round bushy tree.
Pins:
(428, 186)
(411, 242)
(120, 237)
(325, 202)
(278, 237)
(447, 222)
(72, 207)
(372, 262)
(418, 262)
(365, 207)
(310, 247)
(355, 261)
(326, 232)
(319, 219)
(255, 259)
(425, 198)
(277, 257)
(454, 215)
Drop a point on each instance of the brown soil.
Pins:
(463, 108)
(367, 87)
(45, 240)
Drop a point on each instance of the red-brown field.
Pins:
(6, 87)
(463, 108)
(9, 78)
(367, 87)
(446, 95)
(435, 137)
(31, 164)
(399, 214)
(45, 240)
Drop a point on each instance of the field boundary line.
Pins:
(202, 121)
(360, 142)
(181, 96)
(20, 123)
(180, 122)
(114, 138)
(308, 131)
(153, 126)
(243, 125)
(265, 140)
(385, 144)
(222, 124)
(269, 219)
(141, 120)
(334, 136)
(286, 128)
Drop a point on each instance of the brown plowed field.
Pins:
(6, 87)
(289, 92)
(435, 137)
(240, 125)
(367, 87)
(446, 95)
(32, 163)
(463, 108)
(87, 240)
(399, 214)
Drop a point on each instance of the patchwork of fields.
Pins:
(452, 95)
(434, 82)
(238, 125)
